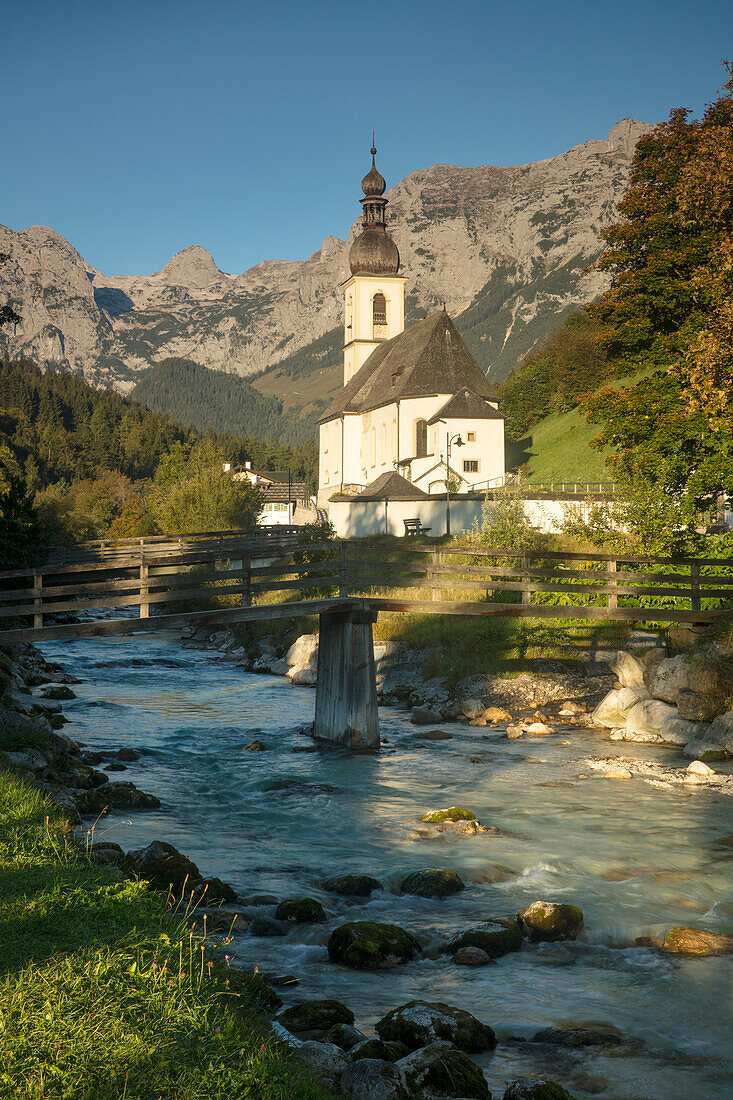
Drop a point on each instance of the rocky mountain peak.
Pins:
(192, 267)
(626, 133)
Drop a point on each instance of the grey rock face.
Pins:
(457, 230)
(373, 1079)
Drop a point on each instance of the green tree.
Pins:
(194, 493)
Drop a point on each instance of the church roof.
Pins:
(427, 358)
(389, 486)
(466, 405)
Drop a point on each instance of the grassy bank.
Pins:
(105, 993)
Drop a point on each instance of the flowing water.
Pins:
(636, 858)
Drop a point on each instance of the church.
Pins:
(416, 415)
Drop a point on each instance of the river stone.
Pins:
(418, 1023)
(513, 732)
(581, 1035)
(213, 889)
(434, 882)
(697, 706)
(547, 920)
(472, 708)
(260, 899)
(721, 731)
(255, 746)
(128, 755)
(678, 731)
(373, 1079)
(698, 767)
(645, 720)
(538, 729)
(352, 886)
(423, 716)
(312, 1019)
(369, 945)
(617, 771)
(326, 1060)
(377, 1048)
(629, 671)
(439, 1070)
(452, 813)
(495, 937)
(471, 956)
(706, 750)
(696, 941)
(164, 865)
(261, 926)
(57, 691)
(435, 735)
(496, 714)
(116, 796)
(525, 1088)
(301, 911)
(303, 653)
(345, 1036)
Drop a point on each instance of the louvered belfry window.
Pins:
(379, 309)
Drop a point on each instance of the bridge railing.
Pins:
(97, 549)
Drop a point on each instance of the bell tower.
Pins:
(374, 293)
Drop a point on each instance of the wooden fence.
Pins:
(222, 578)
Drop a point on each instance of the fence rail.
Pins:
(219, 578)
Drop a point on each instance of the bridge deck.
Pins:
(233, 578)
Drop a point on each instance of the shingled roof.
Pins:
(426, 359)
(391, 486)
(466, 405)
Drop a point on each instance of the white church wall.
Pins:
(486, 448)
(359, 291)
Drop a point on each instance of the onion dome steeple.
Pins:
(374, 252)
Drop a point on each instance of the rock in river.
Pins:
(423, 716)
(373, 1079)
(312, 1019)
(471, 956)
(525, 1088)
(301, 911)
(495, 937)
(369, 945)
(695, 941)
(434, 882)
(164, 865)
(352, 886)
(345, 1036)
(547, 920)
(441, 1070)
(376, 1048)
(324, 1059)
(452, 813)
(418, 1023)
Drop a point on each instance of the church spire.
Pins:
(374, 252)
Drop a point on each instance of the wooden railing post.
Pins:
(246, 580)
(613, 583)
(37, 600)
(436, 579)
(144, 605)
(526, 594)
(343, 571)
(695, 585)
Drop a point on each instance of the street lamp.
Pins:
(449, 439)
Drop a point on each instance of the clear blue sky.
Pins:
(137, 128)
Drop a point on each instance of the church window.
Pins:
(421, 438)
(394, 438)
(471, 437)
(325, 477)
(379, 309)
(349, 318)
(470, 465)
(384, 443)
(374, 446)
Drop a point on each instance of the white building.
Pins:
(286, 502)
(414, 400)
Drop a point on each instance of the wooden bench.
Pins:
(415, 527)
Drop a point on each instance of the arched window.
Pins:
(325, 477)
(349, 318)
(379, 309)
(374, 446)
(421, 438)
(394, 439)
(383, 455)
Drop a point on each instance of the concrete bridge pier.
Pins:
(346, 688)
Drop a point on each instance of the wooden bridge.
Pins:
(130, 586)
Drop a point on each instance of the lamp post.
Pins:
(455, 439)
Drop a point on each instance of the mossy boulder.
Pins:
(115, 796)
(345, 1036)
(301, 911)
(453, 813)
(213, 889)
(373, 1079)
(352, 886)
(58, 691)
(440, 1069)
(551, 921)
(434, 882)
(581, 1035)
(525, 1088)
(471, 956)
(495, 937)
(369, 945)
(418, 1023)
(312, 1019)
(378, 1048)
(163, 865)
(696, 941)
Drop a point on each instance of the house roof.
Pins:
(389, 486)
(466, 405)
(426, 359)
(278, 492)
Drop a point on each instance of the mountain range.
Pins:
(504, 248)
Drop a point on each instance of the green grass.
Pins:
(106, 993)
(560, 447)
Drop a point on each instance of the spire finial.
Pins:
(373, 149)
